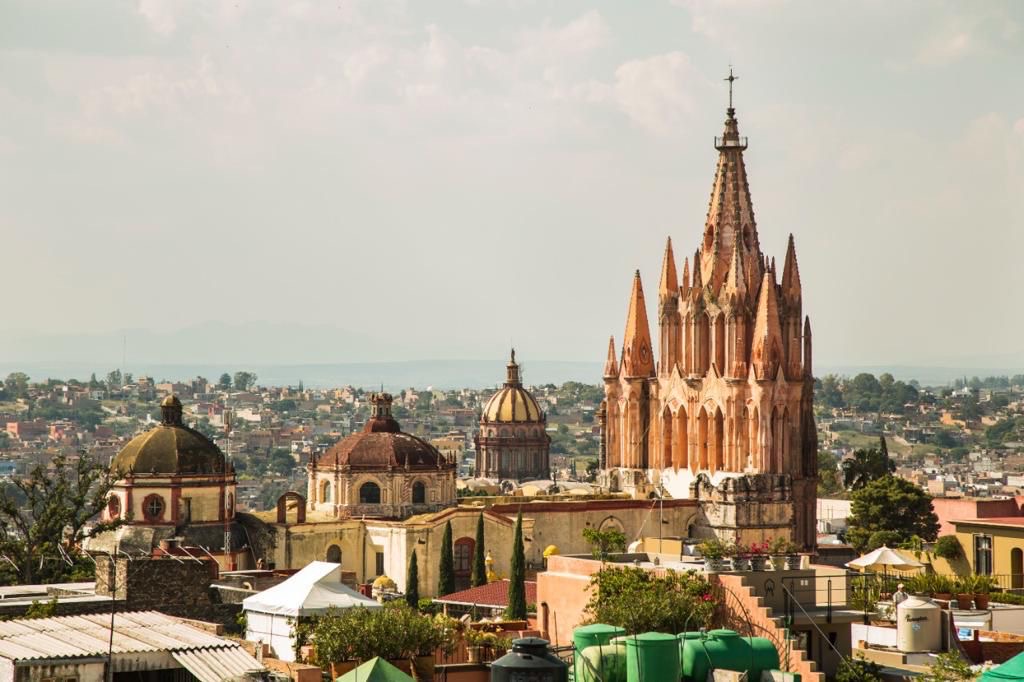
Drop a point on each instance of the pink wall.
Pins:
(954, 509)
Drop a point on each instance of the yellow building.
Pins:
(992, 546)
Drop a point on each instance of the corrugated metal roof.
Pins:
(78, 636)
(217, 665)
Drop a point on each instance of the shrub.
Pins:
(948, 547)
(392, 632)
(640, 601)
(858, 671)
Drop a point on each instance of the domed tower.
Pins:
(512, 441)
(175, 482)
(380, 472)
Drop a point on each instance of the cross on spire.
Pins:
(731, 78)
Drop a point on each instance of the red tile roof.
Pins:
(491, 594)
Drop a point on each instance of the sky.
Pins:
(389, 180)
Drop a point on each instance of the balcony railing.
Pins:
(723, 143)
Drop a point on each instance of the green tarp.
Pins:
(375, 670)
(1013, 669)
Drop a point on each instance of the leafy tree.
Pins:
(949, 666)
(446, 572)
(891, 504)
(829, 392)
(412, 582)
(479, 574)
(866, 466)
(516, 609)
(604, 543)
(641, 601)
(114, 380)
(94, 382)
(829, 481)
(244, 381)
(281, 462)
(225, 381)
(16, 385)
(43, 516)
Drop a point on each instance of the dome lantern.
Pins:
(170, 408)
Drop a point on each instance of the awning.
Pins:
(217, 665)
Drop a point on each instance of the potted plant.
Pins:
(740, 557)
(713, 551)
(941, 588)
(758, 553)
(965, 591)
(779, 548)
(475, 641)
(983, 585)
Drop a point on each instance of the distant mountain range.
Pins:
(270, 350)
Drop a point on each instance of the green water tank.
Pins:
(601, 663)
(727, 650)
(652, 657)
(586, 636)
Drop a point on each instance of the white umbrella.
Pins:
(883, 559)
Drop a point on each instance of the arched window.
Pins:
(463, 554)
(153, 507)
(419, 493)
(325, 492)
(114, 506)
(334, 554)
(369, 493)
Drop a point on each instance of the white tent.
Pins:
(271, 614)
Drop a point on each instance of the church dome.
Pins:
(169, 449)
(382, 444)
(512, 404)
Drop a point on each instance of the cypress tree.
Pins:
(479, 575)
(884, 448)
(517, 580)
(412, 582)
(446, 574)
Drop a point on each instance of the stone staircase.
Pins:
(746, 613)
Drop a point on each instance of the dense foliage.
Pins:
(948, 547)
(43, 518)
(394, 632)
(603, 543)
(858, 671)
(412, 582)
(516, 609)
(866, 466)
(641, 601)
(891, 504)
(866, 393)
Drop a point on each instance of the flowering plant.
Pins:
(758, 548)
(781, 545)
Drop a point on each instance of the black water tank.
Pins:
(529, 661)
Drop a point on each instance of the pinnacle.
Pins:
(611, 365)
(669, 285)
(637, 359)
(791, 272)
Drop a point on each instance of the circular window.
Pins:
(114, 506)
(153, 507)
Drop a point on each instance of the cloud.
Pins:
(945, 48)
(656, 93)
(159, 14)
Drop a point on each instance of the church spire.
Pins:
(669, 285)
(736, 282)
(730, 220)
(766, 350)
(637, 360)
(611, 363)
(791, 274)
(685, 283)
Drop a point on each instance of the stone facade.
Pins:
(730, 393)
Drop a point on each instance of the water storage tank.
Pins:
(652, 657)
(530, 659)
(726, 650)
(918, 625)
(601, 663)
(593, 637)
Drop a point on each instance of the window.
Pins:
(380, 563)
(419, 493)
(325, 494)
(334, 554)
(114, 506)
(463, 555)
(369, 493)
(153, 507)
(983, 554)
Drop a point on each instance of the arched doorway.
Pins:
(333, 554)
(719, 441)
(463, 556)
(1017, 568)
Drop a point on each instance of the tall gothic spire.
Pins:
(669, 285)
(736, 282)
(611, 365)
(730, 218)
(685, 283)
(637, 359)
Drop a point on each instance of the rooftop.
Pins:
(1014, 521)
(492, 594)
